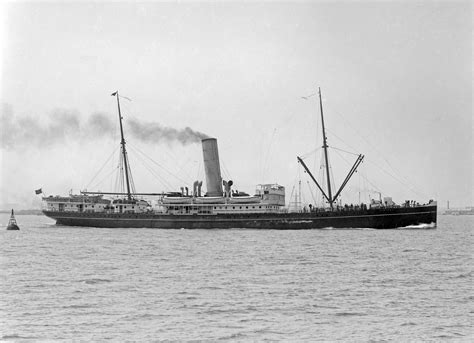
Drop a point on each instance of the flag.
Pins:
(114, 93)
(39, 191)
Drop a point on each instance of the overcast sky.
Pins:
(396, 79)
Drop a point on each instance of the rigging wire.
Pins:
(122, 174)
(173, 157)
(198, 172)
(333, 181)
(157, 175)
(291, 197)
(225, 171)
(302, 197)
(105, 177)
(141, 155)
(119, 176)
(347, 152)
(365, 178)
(116, 151)
(297, 177)
(407, 185)
(162, 167)
(182, 168)
(398, 179)
(322, 177)
(368, 181)
(414, 190)
(130, 176)
(267, 157)
(318, 133)
(101, 168)
(365, 186)
(311, 191)
(333, 135)
(153, 172)
(406, 182)
(306, 155)
(345, 160)
(183, 165)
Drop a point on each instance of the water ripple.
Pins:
(84, 284)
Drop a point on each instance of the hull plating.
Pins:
(376, 219)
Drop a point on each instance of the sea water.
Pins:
(88, 284)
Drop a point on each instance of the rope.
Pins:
(311, 191)
(182, 169)
(130, 177)
(119, 179)
(173, 158)
(157, 164)
(101, 168)
(154, 173)
(306, 155)
(225, 171)
(105, 177)
(267, 157)
(347, 152)
(399, 180)
(198, 172)
(406, 181)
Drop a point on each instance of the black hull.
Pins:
(388, 218)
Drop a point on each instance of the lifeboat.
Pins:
(176, 200)
(210, 200)
(245, 200)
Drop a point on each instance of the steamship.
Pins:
(220, 207)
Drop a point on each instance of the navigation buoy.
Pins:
(12, 225)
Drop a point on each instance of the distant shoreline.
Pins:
(23, 212)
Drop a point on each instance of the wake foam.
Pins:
(419, 226)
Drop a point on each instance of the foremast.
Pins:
(124, 150)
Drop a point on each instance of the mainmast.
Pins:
(124, 151)
(325, 146)
(358, 161)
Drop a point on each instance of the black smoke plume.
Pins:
(64, 125)
(154, 133)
